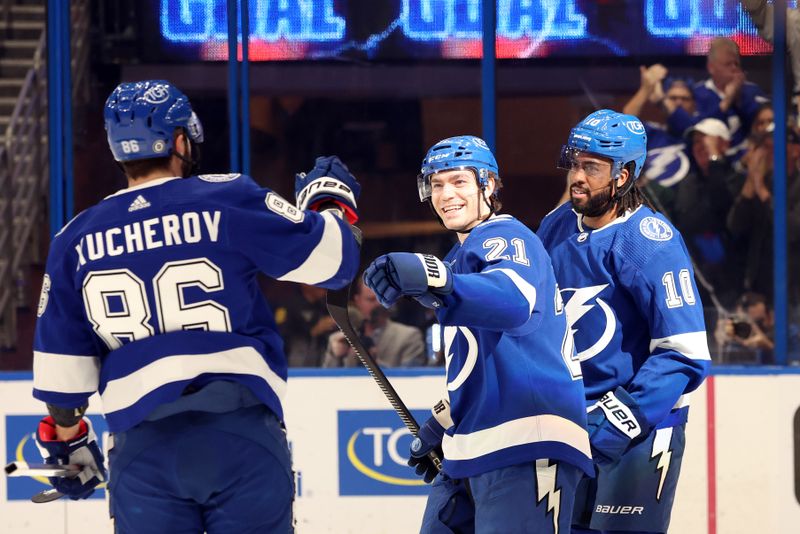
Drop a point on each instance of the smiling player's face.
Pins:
(456, 198)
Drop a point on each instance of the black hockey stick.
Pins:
(337, 302)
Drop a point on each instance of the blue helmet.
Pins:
(141, 118)
(609, 134)
(460, 152)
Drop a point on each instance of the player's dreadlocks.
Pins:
(630, 197)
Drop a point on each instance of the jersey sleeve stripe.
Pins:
(326, 258)
(527, 290)
(523, 431)
(122, 393)
(693, 345)
(65, 373)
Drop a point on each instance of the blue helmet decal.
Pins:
(141, 117)
(460, 152)
(616, 136)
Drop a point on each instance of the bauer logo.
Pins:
(373, 454)
(21, 446)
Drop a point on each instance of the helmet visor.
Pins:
(568, 160)
(424, 180)
(424, 187)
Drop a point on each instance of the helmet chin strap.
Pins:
(482, 194)
(192, 163)
(618, 192)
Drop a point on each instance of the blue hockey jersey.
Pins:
(512, 378)
(633, 307)
(153, 291)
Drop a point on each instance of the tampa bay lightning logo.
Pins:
(480, 142)
(588, 342)
(655, 229)
(635, 127)
(469, 359)
(667, 165)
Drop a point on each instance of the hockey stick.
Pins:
(24, 469)
(337, 302)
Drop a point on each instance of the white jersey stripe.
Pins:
(65, 373)
(124, 392)
(523, 431)
(693, 345)
(683, 401)
(326, 258)
(527, 290)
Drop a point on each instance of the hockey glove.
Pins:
(429, 438)
(329, 181)
(613, 423)
(82, 450)
(422, 276)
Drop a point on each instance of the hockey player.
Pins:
(150, 298)
(513, 424)
(632, 304)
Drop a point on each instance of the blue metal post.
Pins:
(54, 116)
(488, 82)
(245, 81)
(66, 95)
(233, 87)
(779, 182)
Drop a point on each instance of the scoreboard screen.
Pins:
(397, 30)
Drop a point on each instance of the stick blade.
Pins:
(48, 495)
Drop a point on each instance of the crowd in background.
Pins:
(709, 170)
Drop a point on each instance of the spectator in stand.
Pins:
(392, 344)
(763, 16)
(305, 325)
(667, 159)
(726, 95)
(747, 336)
(750, 218)
(762, 124)
(701, 203)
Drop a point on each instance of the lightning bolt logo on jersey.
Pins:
(632, 306)
(667, 161)
(512, 378)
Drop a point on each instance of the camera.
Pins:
(742, 329)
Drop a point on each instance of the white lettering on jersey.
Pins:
(577, 307)
(189, 227)
(44, 295)
(450, 333)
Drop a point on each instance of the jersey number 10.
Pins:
(674, 300)
(117, 305)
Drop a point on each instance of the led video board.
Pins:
(450, 29)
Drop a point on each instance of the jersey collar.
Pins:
(619, 220)
(711, 87)
(151, 183)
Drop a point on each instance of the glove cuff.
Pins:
(621, 411)
(441, 412)
(437, 273)
(325, 186)
(349, 213)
